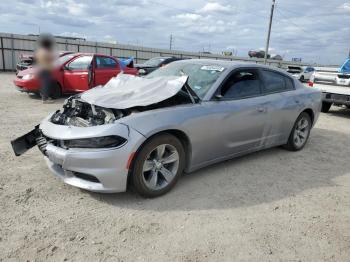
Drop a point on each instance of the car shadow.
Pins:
(262, 177)
(339, 112)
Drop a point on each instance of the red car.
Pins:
(75, 73)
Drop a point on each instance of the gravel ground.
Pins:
(272, 205)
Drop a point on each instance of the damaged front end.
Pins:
(78, 113)
(121, 97)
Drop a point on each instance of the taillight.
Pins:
(310, 84)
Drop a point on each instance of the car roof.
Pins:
(79, 53)
(227, 64)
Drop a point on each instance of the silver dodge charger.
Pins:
(182, 117)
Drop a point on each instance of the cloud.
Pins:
(315, 34)
(345, 7)
(214, 7)
(189, 16)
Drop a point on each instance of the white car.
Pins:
(303, 73)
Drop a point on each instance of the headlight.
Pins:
(142, 71)
(96, 142)
(28, 77)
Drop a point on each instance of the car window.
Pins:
(105, 62)
(242, 84)
(289, 83)
(81, 63)
(63, 59)
(309, 69)
(275, 82)
(154, 62)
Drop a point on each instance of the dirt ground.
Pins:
(272, 205)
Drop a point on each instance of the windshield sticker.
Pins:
(213, 68)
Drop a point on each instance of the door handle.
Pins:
(297, 101)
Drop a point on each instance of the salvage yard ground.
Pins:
(274, 205)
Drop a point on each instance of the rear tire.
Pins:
(158, 166)
(348, 107)
(300, 133)
(325, 107)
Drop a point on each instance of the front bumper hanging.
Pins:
(22, 144)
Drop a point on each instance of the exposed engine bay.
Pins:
(76, 112)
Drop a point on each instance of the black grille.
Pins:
(344, 76)
(86, 177)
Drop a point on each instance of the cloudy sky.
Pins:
(316, 30)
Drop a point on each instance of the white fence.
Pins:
(12, 45)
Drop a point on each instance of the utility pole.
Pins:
(171, 42)
(269, 32)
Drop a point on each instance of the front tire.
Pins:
(325, 107)
(300, 133)
(158, 165)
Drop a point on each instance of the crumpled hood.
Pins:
(126, 91)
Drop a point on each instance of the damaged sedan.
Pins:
(179, 118)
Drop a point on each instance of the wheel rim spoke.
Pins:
(171, 158)
(160, 151)
(302, 135)
(148, 165)
(168, 176)
(153, 179)
(303, 125)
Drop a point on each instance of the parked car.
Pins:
(334, 84)
(257, 54)
(75, 73)
(28, 60)
(154, 63)
(303, 73)
(181, 117)
(276, 57)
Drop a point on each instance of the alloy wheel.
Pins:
(160, 167)
(301, 132)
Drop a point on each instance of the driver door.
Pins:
(76, 74)
(235, 119)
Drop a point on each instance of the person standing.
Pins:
(45, 57)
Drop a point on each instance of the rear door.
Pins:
(282, 108)
(105, 68)
(76, 74)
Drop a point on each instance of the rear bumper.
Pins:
(27, 85)
(336, 98)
